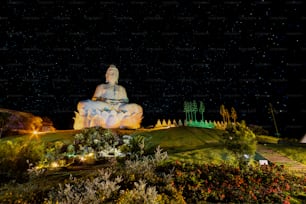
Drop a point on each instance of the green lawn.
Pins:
(199, 145)
(181, 143)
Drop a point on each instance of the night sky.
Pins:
(243, 55)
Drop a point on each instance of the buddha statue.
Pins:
(109, 106)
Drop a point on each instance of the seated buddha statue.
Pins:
(109, 106)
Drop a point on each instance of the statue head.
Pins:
(112, 74)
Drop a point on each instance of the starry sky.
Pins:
(241, 54)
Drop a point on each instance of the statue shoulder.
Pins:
(121, 87)
(102, 86)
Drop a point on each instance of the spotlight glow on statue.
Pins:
(109, 107)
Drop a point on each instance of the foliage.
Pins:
(95, 140)
(223, 112)
(191, 108)
(264, 139)
(92, 145)
(258, 130)
(241, 141)
(179, 182)
(234, 114)
(227, 116)
(145, 178)
(135, 182)
(54, 152)
(135, 146)
(101, 188)
(140, 194)
(16, 156)
(225, 183)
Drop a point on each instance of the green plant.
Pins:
(92, 145)
(16, 156)
(99, 189)
(241, 141)
(267, 139)
(230, 184)
(152, 179)
(140, 194)
(258, 130)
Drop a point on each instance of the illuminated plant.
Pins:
(234, 115)
(241, 141)
(202, 109)
(222, 112)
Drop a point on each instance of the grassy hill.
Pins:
(181, 143)
(199, 145)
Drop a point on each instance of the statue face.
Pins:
(111, 76)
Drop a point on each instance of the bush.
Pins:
(229, 184)
(138, 181)
(258, 130)
(241, 141)
(15, 158)
(93, 145)
(102, 188)
(151, 179)
(182, 183)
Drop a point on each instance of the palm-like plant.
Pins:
(194, 109)
(202, 109)
(234, 115)
(222, 112)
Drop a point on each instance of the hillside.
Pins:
(189, 143)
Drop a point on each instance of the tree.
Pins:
(234, 115)
(186, 110)
(222, 112)
(227, 115)
(189, 110)
(35, 123)
(241, 141)
(194, 109)
(202, 109)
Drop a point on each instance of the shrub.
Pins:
(92, 140)
(229, 184)
(150, 179)
(241, 141)
(102, 188)
(135, 182)
(258, 130)
(16, 156)
(140, 194)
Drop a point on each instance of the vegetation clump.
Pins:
(141, 177)
(239, 139)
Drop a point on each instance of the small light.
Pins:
(54, 164)
(90, 154)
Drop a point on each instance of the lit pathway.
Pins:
(279, 159)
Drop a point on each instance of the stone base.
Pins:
(108, 119)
